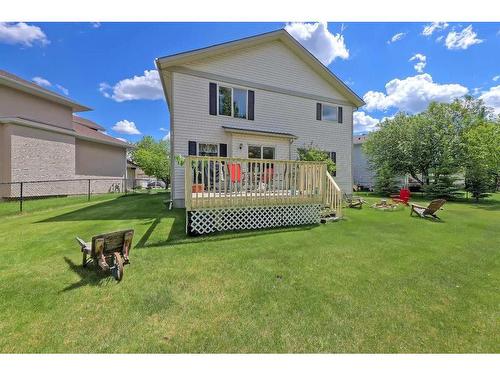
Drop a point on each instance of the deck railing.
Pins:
(217, 182)
(333, 196)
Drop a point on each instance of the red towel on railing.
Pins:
(234, 172)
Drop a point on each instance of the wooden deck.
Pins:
(217, 182)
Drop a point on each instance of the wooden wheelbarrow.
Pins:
(109, 251)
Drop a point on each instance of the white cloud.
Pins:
(364, 123)
(421, 62)
(63, 89)
(166, 137)
(126, 127)
(147, 86)
(319, 41)
(40, 81)
(432, 27)
(396, 37)
(496, 78)
(22, 33)
(492, 98)
(462, 39)
(412, 94)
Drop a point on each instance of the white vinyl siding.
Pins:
(276, 112)
(272, 64)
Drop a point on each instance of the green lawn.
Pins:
(374, 282)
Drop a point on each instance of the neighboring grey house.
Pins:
(362, 175)
(259, 97)
(42, 139)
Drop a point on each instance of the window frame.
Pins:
(323, 105)
(262, 151)
(232, 100)
(207, 143)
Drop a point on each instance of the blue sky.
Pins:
(95, 64)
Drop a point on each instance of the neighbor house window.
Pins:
(261, 152)
(329, 113)
(208, 149)
(233, 102)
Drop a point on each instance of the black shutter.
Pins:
(318, 111)
(251, 104)
(192, 148)
(339, 116)
(223, 150)
(333, 156)
(213, 98)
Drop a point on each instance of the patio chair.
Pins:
(430, 210)
(402, 197)
(353, 202)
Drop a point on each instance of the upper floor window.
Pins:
(230, 101)
(233, 102)
(329, 113)
(326, 112)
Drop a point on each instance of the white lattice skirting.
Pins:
(227, 219)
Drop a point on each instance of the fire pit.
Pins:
(384, 206)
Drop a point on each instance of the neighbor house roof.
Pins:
(11, 80)
(358, 139)
(281, 35)
(79, 131)
(87, 123)
(91, 134)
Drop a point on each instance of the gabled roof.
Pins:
(87, 123)
(11, 80)
(91, 134)
(281, 35)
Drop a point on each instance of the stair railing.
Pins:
(333, 196)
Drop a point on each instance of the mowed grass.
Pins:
(374, 282)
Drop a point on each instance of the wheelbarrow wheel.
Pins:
(117, 269)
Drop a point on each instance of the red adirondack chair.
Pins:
(402, 197)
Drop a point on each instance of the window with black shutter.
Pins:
(223, 150)
(213, 99)
(339, 116)
(192, 148)
(251, 104)
(318, 111)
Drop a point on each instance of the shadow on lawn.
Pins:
(88, 275)
(153, 211)
(140, 206)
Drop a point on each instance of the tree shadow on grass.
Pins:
(88, 276)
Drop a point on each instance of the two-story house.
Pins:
(41, 139)
(260, 98)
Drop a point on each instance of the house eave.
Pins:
(266, 133)
(55, 129)
(40, 92)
